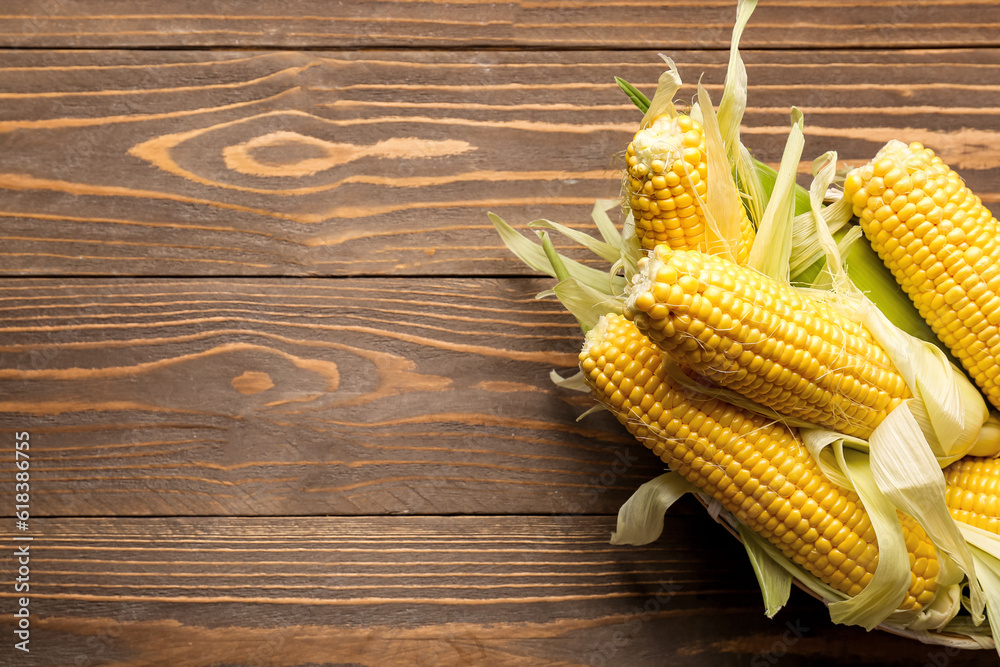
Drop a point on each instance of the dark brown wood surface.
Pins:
(374, 163)
(288, 395)
(435, 591)
(477, 24)
(280, 397)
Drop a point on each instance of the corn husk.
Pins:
(806, 237)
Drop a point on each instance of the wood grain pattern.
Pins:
(475, 24)
(378, 163)
(205, 329)
(250, 397)
(436, 591)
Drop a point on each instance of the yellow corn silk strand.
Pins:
(765, 340)
(973, 495)
(943, 247)
(758, 469)
(666, 184)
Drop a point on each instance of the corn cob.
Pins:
(943, 247)
(765, 340)
(666, 184)
(757, 469)
(973, 490)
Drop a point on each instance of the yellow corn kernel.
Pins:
(973, 492)
(758, 469)
(954, 284)
(797, 356)
(666, 184)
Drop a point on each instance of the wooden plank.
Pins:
(436, 591)
(610, 24)
(270, 397)
(378, 163)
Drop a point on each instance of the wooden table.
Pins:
(287, 395)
